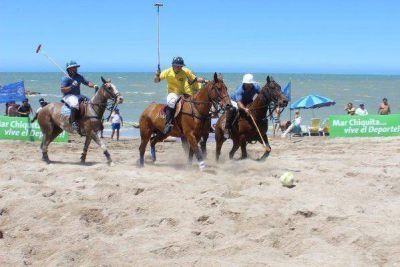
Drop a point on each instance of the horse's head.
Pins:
(110, 91)
(272, 93)
(218, 92)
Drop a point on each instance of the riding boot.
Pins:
(74, 119)
(230, 117)
(169, 115)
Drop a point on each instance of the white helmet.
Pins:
(248, 78)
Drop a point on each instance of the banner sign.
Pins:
(12, 92)
(364, 126)
(21, 128)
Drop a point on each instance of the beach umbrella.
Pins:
(312, 102)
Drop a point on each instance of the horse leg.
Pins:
(219, 140)
(243, 145)
(153, 142)
(85, 148)
(47, 139)
(191, 153)
(145, 134)
(194, 146)
(101, 144)
(203, 145)
(234, 148)
(204, 137)
(185, 145)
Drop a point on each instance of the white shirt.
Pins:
(115, 118)
(297, 121)
(361, 112)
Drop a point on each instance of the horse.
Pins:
(191, 115)
(244, 130)
(52, 122)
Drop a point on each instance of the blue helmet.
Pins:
(178, 61)
(72, 64)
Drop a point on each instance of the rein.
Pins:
(271, 106)
(193, 104)
(107, 105)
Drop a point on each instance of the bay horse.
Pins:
(52, 122)
(188, 122)
(243, 130)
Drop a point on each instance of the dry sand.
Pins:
(343, 211)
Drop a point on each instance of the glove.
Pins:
(75, 83)
(96, 87)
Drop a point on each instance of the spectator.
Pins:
(384, 107)
(350, 109)
(42, 104)
(295, 126)
(7, 105)
(362, 111)
(116, 121)
(276, 120)
(12, 110)
(25, 109)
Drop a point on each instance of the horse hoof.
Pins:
(139, 164)
(202, 166)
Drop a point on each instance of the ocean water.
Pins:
(139, 90)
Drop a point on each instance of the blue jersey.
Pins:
(245, 96)
(75, 90)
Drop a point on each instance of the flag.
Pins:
(287, 90)
(12, 92)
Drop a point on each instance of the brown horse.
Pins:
(188, 123)
(244, 130)
(52, 122)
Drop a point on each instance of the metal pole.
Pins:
(158, 5)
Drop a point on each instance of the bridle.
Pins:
(211, 88)
(272, 105)
(110, 106)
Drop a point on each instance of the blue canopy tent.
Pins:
(12, 92)
(312, 102)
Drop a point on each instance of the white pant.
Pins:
(72, 101)
(172, 98)
(234, 104)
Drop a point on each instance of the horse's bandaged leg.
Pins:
(202, 165)
(103, 146)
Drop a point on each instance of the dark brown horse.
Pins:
(244, 130)
(52, 122)
(188, 123)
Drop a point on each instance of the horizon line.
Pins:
(227, 72)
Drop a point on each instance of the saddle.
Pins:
(178, 108)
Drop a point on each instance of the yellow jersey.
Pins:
(192, 89)
(176, 82)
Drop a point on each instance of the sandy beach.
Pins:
(343, 211)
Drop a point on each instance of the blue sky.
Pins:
(230, 36)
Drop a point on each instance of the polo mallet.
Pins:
(158, 5)
(40, 50)
(259, 133)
